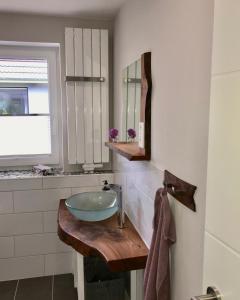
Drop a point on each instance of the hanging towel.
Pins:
(157, 273)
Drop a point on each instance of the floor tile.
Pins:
(39, 288)
(7, 289)
(64, 288)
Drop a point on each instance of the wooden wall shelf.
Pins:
(129, 150)
(122, 249)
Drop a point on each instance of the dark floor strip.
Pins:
(63, 288)
(39, 288)
(7, 289)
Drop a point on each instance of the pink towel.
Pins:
(157, 273)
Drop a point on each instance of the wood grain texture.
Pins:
(129, 150)
(122, 249)
(180, 190)
(146, 95)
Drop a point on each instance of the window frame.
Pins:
(50, 52)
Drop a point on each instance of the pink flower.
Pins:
(131, 133)
(113, 133)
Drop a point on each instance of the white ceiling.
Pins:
(84, 8)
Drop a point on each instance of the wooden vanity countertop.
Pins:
(122, 249)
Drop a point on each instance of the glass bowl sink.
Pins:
(93, 206)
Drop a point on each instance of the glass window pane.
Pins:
(20, 135)
(13, 101)
(31, 75)
(38, 99)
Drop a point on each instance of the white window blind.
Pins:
(23, 71)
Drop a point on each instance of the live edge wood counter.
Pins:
(122, 249)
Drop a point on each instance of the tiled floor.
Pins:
(59, 287)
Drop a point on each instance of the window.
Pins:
(28, 105)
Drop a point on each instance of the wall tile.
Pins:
(108, 177)
(39, 200)
(226, 45)
(6, 202)
(140, 209)
(221, 267)
(148, 181)
(86, 189)
(58, 263)
(120, 178)
(50, 221)
(6, 247)
(20, 184)
(71, 181)
(29, 245)
(144, 217)
(222, 197)
(15, 224)
(21, 267)
(39, 244)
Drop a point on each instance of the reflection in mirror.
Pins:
(136, 111)
(131, 99)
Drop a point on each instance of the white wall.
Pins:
(178, 33)
(29, 245)
(47, 29)
(222, 247)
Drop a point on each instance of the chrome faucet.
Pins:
(117, 188)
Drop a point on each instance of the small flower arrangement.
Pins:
(131, 134)
(113, 134)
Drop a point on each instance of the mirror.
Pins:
(136, 106)
(131, 87)
(134, 142)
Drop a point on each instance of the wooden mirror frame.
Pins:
(146, 95)
(131, 150)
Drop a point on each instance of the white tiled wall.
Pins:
(34, 244)
(25, 223)
(50, 221)
(20, 184)
(222, 236)
(21, 267)
(181, 56)
(6, 202)
(38, 200)
(29, 245)
(58, 263)
(221, 267)
(140, 182)
(7, 247)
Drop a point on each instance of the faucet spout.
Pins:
(118, 190)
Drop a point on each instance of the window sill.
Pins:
(27, 174)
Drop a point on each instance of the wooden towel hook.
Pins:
(180, 190)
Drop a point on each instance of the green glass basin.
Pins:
(93, 206)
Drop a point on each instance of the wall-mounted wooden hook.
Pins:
(180, 190)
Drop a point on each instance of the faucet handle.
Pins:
(106, 186)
